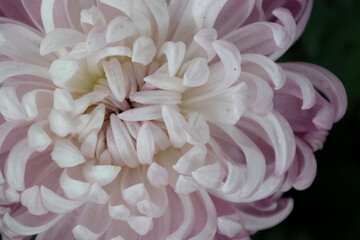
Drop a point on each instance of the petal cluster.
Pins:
(154, 119)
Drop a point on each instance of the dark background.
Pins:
(330, 208)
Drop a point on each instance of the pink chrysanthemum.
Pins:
(154, 119)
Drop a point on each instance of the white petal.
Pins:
(198, 132)
(166, 82)
(97, 117)
(145, 145)
(47, 15)
(133, 128)
(150, 209)
(97, 194)
(10, 69)
(62, 70)
(34, 101)
(126, 6)
(175, 124)
(101, 174)
(186, 185)
(117, 238)
(66, 154)
(31, 199)
(235, 179)
(119, 29)
(191, 160)
(160, 137)
(231, 59)
(209, 176)
(140, 224)
(205, 38)
(10, 106)
(175, 53)
(161, 15)
(144, 50)
(60, 38)
(157, 175)
(88, 146)
(21, 229)
(123, 142)
(265, 68)
(92, 16)
(57, 204)
(197, 72)
(38, 138)
(63, 100)
(281, 136)
(134, 194)
(115, 78)
(255, 159)
(11, 195)
(119, 212)
(186, 226)
(228, 226)
(96, 38)
(73, 189)
(205, 12)
(141, 113)
(306, 87)
(82, 233)
(156, 97)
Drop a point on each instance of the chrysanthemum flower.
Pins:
(154, 119)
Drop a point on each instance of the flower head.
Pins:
(154, 119)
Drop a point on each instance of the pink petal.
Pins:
(16, 163)
(239, 12)
(325, 82)
(16, 35)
